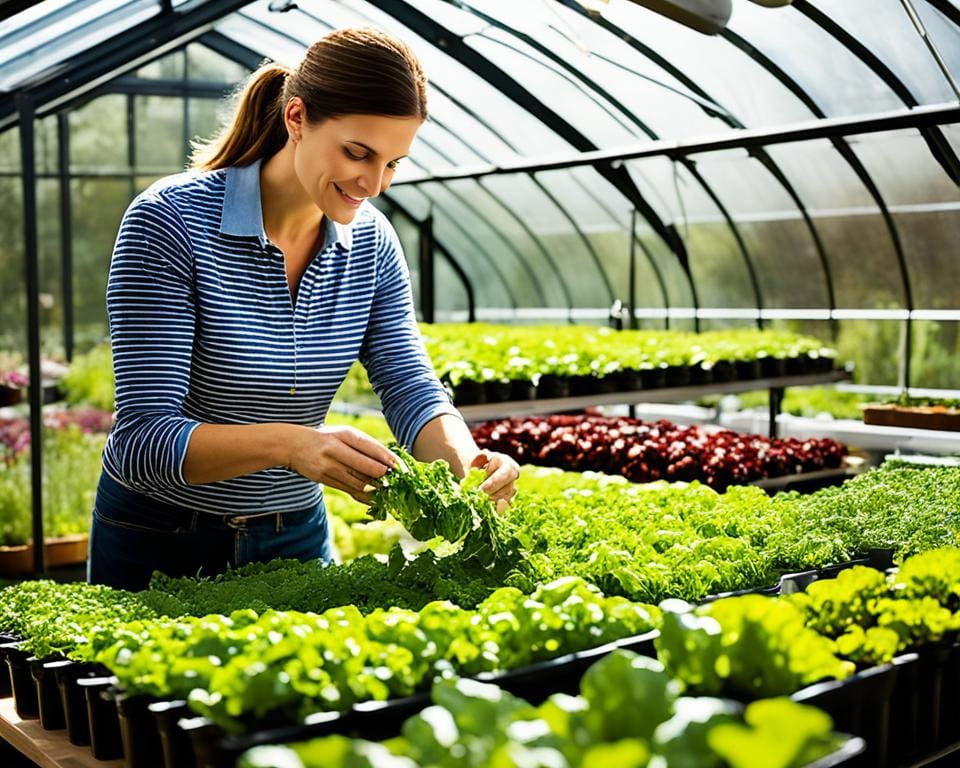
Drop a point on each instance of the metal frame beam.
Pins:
(919, 117)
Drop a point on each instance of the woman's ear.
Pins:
(294, 116)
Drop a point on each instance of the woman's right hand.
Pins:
(341, 457)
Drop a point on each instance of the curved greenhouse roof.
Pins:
(799, 164)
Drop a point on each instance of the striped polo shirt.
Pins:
(204, 330)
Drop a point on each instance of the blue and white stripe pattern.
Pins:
(204, 330)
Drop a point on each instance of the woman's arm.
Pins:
(341, 457)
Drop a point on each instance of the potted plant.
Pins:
(69, 485)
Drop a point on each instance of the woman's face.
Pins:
(344, 160)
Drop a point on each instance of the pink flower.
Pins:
(15, 379)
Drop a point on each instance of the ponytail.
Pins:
(256, 130)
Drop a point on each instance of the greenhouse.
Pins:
(551, 384)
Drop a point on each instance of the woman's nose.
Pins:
(371, 183)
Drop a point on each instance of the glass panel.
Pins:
(49, 262)
(952, 132)
(530, 200)
(490, 241)
(46, 145)
(205, 64)
(859, 248)
(409, 237)
(935, 358)
(926, 209)
(729, 76)
(491, 287)
(647, 92)
(884, 27)
(527, 134)
(654, 178)
(944, 35)
(205, 117)
(501, 214)
(874, 347)
(671, 272)
(29, 45)
(589, 114)
(443, 149)
(98, 135)
(451, 294)
(13, 306)
(262, 38)
(903, 168)
(98, 205)
(928, 234)
(837, 80)
(10, 150)
(777, 239)
(159, 134)
(449, 114)
(716, 261)
(602, 215)
(169, 67)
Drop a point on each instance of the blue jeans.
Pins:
(133, 535)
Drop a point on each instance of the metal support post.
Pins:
(31, 258)
(66, 232)
(427, 295)
(775, 402)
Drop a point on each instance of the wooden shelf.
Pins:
(48, 749)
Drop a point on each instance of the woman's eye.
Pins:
(392, 165)
(353, 155)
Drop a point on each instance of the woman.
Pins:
(239, 296)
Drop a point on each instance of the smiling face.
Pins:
(341, 161)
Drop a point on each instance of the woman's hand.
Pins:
(502, 473)
(342, 457)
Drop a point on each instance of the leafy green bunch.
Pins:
(872, 616)
(747, 647)
(628, 710)
(429, 501)
(54, 618)
(282, 665)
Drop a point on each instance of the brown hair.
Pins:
(347, 72)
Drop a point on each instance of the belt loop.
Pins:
(279, 522)
(195, 520)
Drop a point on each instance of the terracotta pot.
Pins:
(67, 550)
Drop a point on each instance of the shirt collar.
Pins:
(243, 216)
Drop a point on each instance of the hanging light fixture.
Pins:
(707, 16)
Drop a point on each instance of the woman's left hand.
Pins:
(502, 473)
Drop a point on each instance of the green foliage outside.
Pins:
(71, 468)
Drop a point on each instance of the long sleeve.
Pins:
(151, 306)
(393, 352)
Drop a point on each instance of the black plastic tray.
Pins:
(72, 698)
(174, 742)
(860, 705)
(21, 682)
(105, 740)
(48, 694)
(880, 559)
(139, 733)
(377, 720)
